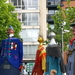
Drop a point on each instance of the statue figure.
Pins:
(70, 67)
(11, 53)
(54, 58)
(40, 61)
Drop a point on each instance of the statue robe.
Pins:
(54, 60)
(70, 67)
(11, 54)
(40, 61)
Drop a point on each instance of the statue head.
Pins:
(10, 30)
(73, 28)
(40, 39)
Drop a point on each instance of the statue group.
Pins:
(54, 60)
(48, 61)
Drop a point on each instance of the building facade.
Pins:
(72, 4)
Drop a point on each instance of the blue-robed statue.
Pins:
(54, 58)
(11, 54)
(70, 67)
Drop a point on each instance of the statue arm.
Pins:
(44, 60)
(21, 52)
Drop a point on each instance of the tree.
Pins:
(63, 15)
(8, 17)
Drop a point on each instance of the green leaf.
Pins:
(7, 17)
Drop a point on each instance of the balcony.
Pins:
(49, 19)
(52, 4)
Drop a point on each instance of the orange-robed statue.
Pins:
(40, 61)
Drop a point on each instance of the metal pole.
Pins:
(64, 23)
(62, 40)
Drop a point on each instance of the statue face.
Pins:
(40, 39)
(73, 31)
(10, 31)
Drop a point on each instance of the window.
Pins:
(52, 26)
(25, 4)
(18, 4)
(32, 4)
(57, 2)
(29, 18)
(52, 12)
(29, 51)
(29, 35)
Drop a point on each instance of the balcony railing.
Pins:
(52, 4)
